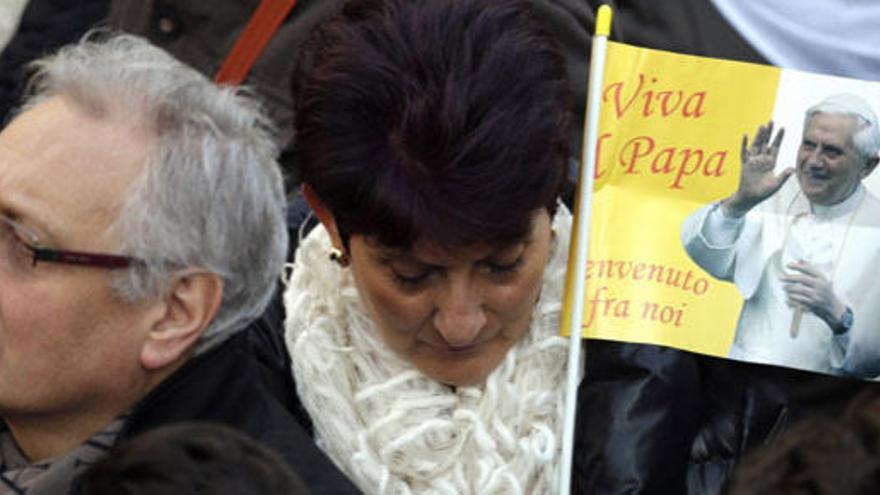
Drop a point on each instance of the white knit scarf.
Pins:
(393, 430)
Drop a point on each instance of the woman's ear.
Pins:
(324, 215)
(192, 302)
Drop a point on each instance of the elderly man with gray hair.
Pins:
(802, 253)
(141, 236)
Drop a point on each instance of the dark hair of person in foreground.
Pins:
(191, 458)
(447, 125)
(818, 456)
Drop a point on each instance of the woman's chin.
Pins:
(462, 367)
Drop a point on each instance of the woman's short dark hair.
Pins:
(441, 120)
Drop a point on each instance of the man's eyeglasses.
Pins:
(22, 246)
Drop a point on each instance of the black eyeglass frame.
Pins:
(99, 260)
(80, 258)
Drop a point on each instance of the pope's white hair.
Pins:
(867, 138)
(211, 193)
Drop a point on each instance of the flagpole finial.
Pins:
(603, 21)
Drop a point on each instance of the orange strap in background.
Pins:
(256, 34)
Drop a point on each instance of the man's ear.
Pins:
(324, 215)
(191, 303)
(870, 165)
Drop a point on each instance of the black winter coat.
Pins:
(242, 384)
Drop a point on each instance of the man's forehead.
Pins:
(839, 122)
(61, 164)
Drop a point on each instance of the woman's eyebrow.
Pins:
(515, 249)
(395, 256)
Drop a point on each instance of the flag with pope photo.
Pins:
(670, 141)
(660, 253)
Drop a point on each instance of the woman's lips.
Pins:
(453, 350)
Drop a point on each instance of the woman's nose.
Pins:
(460, 316)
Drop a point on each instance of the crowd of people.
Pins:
(346, 275)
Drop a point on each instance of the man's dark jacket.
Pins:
(241, 384)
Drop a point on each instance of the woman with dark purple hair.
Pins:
(432, 142)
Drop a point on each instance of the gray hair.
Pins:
(211, 193)
(867, 139)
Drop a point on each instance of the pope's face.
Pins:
(453, 314)
(68, 344)
(829, 167)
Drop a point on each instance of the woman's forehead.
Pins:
(429, 251)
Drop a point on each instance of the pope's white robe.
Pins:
(783, 229)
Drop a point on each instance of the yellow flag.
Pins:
(671, 130)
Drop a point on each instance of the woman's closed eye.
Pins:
(503, 268)
(407, 274)
(410, 278)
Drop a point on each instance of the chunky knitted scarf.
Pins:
(393, 430)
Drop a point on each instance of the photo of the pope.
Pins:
(802, 244)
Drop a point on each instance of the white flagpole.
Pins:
(573, 310)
